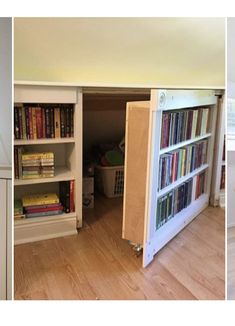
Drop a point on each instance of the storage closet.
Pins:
(160, 126)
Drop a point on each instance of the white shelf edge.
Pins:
(42, 141)
(61, 174)
(44, 219)
(170, 229)
(184, 143)
(181, 180)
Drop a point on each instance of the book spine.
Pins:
(43, 123)
(34, 123)
(16, 123)
(67, 122)
(24, 123)
(52, 123)
(39, 122)
(16, 166)
(71, 122)
(62, 121)
(72, 204)
(57, 122)
(20, 123)
(47, 124)
(30, 123)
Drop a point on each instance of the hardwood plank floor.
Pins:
(231, 264)
(98, 264)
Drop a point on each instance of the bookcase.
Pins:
(68, 164)
(141, 190)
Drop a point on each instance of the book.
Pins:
(57, 122)
(181, 125)
(43, 121)
(40, 199)
(181, 162)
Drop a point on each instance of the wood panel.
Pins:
(98, 264)
(136, 142)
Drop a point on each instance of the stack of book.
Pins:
(180, 162)
(18, 210)
(66, 189)
(36, 122)
(47, 165)
(39, 205)
(179, 125)
(33, 165)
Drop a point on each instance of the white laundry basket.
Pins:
(110, 180)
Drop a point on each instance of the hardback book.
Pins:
(40, 199)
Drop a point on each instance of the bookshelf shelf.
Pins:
(67, 157)
(178, 222)
(181, 180)
(61, 174)
(184, 143)
(44, 219)
(23, 142)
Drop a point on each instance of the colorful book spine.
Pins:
(181, 125)
(176, 164)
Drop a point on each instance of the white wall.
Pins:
(136, 51)
(231, 188)
(5, 92)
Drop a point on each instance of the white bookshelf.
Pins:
(163, 101)
(68, 165)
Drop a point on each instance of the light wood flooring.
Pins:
(98, 264)
(231, 263)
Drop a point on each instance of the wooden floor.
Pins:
(231, 263)
(98, 264)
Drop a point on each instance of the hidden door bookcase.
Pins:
(68, 163)
(143, 153)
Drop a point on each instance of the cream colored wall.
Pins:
(121, 51)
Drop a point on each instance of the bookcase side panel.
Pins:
(136, 144)
(218, 153)
(211, 150)
(77, 161)
(3, 239)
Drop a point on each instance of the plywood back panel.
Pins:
(137, 125)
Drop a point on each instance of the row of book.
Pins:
(180, 162)
(179, 198)
(33, 165)
(47, 204)
(182, 125)
(36, 122)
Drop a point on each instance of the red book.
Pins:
(39, 122)
(43, 123)
(30, 124)
(47, 209)
(71, 197)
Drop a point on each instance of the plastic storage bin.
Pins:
(110, 180)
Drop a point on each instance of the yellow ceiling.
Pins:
(121, 51)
